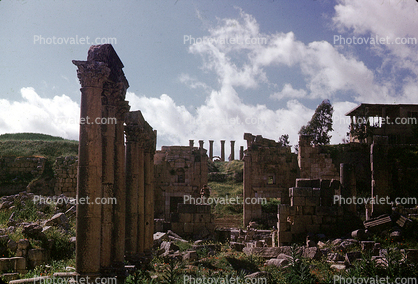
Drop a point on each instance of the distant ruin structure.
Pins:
(399, 122)
(232, 156)
(223, 150)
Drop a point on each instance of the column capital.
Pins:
(134, 133)
(122, 108)
(92, 73)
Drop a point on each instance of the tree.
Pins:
(320, 124)
(284, 140)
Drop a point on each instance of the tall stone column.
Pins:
(92, 75)
(149, 192)
(241, 152)
(118, 236)
(191, 143)
(108, 149)
(232, 150)
(211, 150)
(132, 130)
(201, 142)
(222, 150)
(141, 197)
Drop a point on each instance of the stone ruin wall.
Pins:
(15, 166)
(179, 171)
(311, 210)
(270, 169)
(192, 220)
(65, 175)
(313, 164)
(16, 172)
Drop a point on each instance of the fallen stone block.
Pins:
(403, 222)
(312, 253)
(380, 223)
(277, 262)
(268, 252)
(338, 267)
(159, 237)
(359, 235)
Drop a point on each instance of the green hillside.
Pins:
(36, 144)
(30, 136)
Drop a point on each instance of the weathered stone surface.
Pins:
(277, 262)
(169, 246)
(312, 253)
(58, 219)
(359, 235)
(237, 246)
(338, 267)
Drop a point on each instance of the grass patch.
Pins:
(227, 189)
(48, 149)
(30, 136)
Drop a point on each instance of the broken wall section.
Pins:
(192, 220)
(270, 169)
(313, 163)
(179, 171)
(311, 210)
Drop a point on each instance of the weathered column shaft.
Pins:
(232, 150)
(211, 150)
(108, 140)
(201, 142)
(141, 201)
(191, 143)
(89, 181)
(241, 152)
(118, 242)
(149, 199)
(132, 194)
(222, 150)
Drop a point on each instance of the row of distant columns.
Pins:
(231, 157)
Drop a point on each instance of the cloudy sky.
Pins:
(209, 69)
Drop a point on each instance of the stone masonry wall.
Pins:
(16, 167)
(17, 172)
(192, 220)
(313, 164)
(310, 210)
(179, 171)
(65, 174)
(270, 169)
